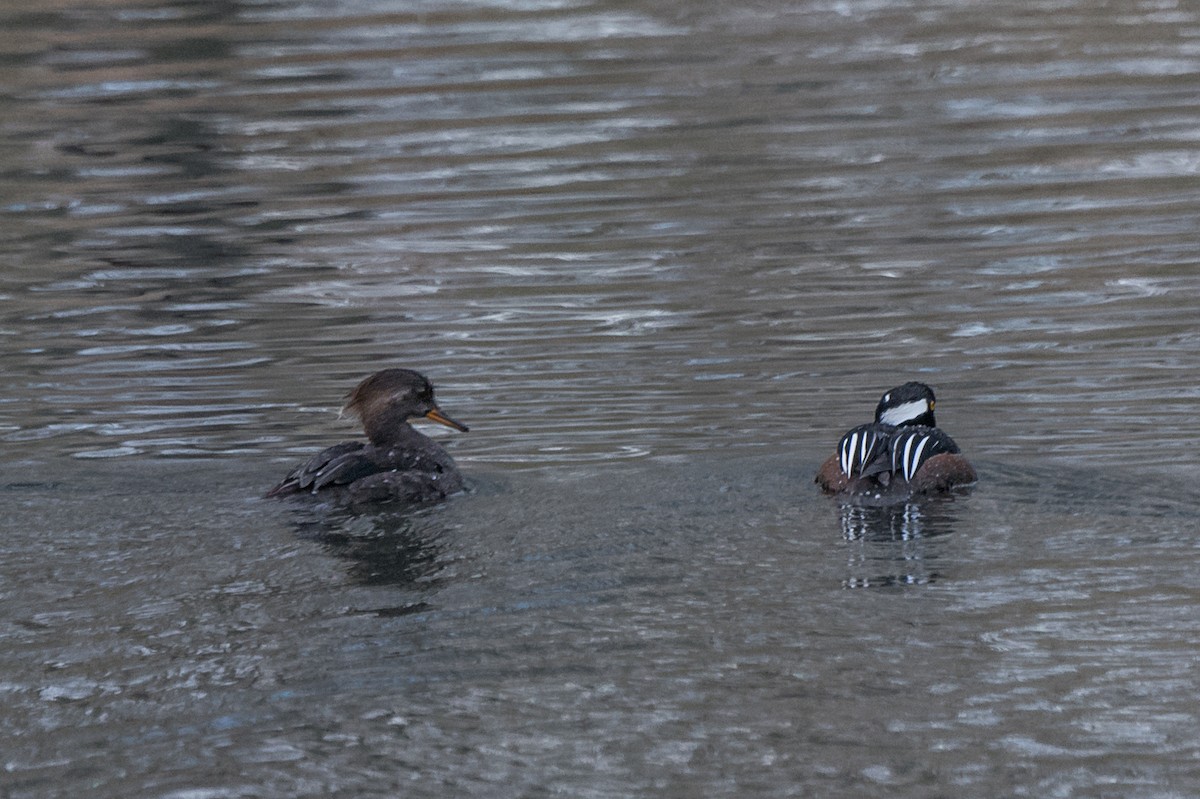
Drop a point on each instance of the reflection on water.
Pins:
(895, 544)
(660, 255)
(383, 548)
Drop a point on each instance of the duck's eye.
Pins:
(887, 397)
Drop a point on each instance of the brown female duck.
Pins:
(397, 463)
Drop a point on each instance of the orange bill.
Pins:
(435, 415)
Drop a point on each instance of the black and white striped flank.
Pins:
(861, 446)
(911, 447)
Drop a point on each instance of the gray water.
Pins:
(658, 256)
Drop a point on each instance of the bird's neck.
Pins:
(389, 430)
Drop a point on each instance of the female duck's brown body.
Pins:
(397, 463)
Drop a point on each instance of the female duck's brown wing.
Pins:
(341, 464)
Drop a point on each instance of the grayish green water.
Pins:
(658, 256)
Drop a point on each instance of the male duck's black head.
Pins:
(909, 404)
(388, 399)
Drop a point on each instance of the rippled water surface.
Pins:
(658, 256)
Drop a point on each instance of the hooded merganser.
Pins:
(398, 463)
(902, 451)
